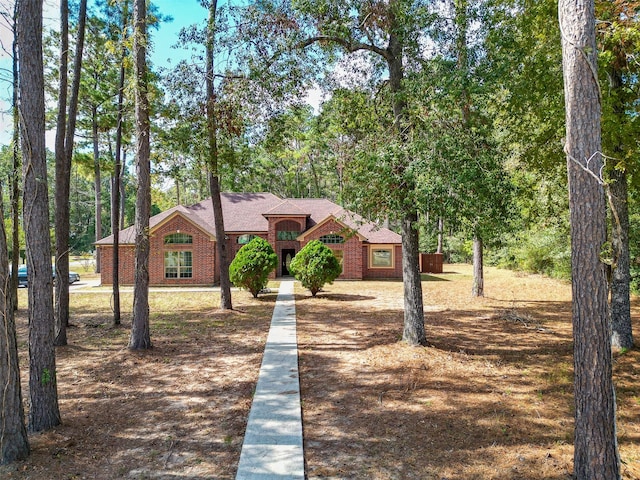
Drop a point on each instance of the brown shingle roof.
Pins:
(285, 208)
(244, 213)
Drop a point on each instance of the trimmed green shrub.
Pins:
(315, 265)
(252, 265)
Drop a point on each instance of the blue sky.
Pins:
(184, 13)
(164, 54)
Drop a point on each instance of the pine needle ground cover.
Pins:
(178, 410)
(489, 398)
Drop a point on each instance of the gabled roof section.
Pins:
(286, 209)
(188, 215)
(242, 213)
(347, 229)
(248, 212)
(128, 235)
(321, 209)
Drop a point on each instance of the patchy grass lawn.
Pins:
(489, 398)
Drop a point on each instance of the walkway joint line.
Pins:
(273, 448)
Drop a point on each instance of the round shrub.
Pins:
(314, 266)
(252, 265)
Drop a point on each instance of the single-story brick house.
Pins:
(183, 239)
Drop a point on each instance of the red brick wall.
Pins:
(203, 254)
(126, 260)
(355, 254)
(234, 246)
(395, 272)
(203, 257)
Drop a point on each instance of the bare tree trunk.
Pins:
(140, 335)
(117, 180)
(622, 332)
(462, 51)
(15, 175)
(478, 268)
(212, 163)
(97, 182)
(14, 444)
(595, 444)
(413, 333)
(316, 180)
(440, 234)
(44, 413)
(123, 190)
(63, 180)
(620, 302)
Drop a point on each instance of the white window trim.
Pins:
(179, 267)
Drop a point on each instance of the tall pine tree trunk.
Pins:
(140, 335)
(622, 333)
(97, 182)
(440, 234)
(477, 289)
(213, 167)
(44, 413)
(63, 180)
(462, 51)
(122, 189)
(14, 444)
(414, 333)
(15, 174)
(116, 179)
(63, 173)
(595, 444)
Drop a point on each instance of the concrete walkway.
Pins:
(272, 447)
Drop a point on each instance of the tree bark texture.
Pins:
(140, 335)
(440, 234)
(214, 173)
(15, 174)
(477, 290)
(116, 200)
(44, 413)
(14, 444)
(622, 333)
(97, 182)
(414, 333)
(63, 185)
(66, 125)
(63, 179)
(620, 302)
(595, 446)
(122, 187)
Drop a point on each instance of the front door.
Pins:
(285, 259)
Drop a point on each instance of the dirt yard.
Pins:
(489, 398)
